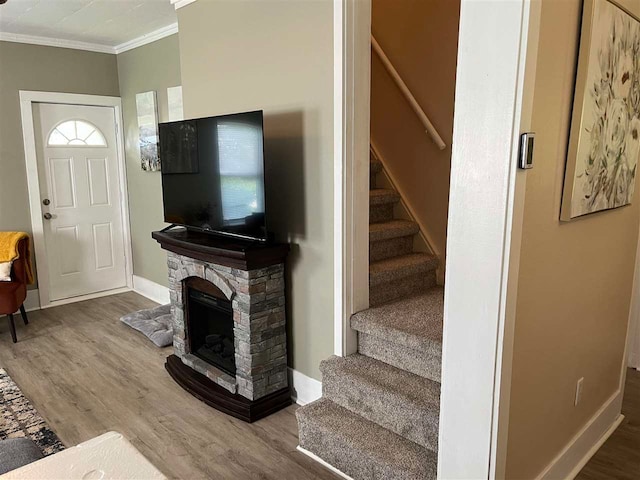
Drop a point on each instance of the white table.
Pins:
(109, 456)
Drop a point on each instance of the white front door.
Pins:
(80, 198)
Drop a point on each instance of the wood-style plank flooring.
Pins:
(87, 374)
(619, 457)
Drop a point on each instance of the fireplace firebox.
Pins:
(210, 329)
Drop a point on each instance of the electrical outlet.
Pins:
(579, 386)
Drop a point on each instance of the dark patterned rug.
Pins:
(18, 418)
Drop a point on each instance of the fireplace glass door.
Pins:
(210, 330)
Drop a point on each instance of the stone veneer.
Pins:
(258, 301)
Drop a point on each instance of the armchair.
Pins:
(14, 293)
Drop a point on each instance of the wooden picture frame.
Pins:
(604, 141)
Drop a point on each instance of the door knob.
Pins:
(47, 216)
(46, 201)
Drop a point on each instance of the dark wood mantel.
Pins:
(229, 252)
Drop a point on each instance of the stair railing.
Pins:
(429, 128)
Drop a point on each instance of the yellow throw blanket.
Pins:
(9, 250)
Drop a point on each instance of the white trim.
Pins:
(32, 302)
(351, 102)
(152, 290)
(305, 389)
(55, 42)
(82, 298)
(586, 442)
(484, 225)
(323, 463)
(524, 97)
(178, 4)
(93, 47)
(146, 38)
(633, 335)
(27, 98)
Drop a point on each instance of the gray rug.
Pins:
(154, 323)
(19, 419)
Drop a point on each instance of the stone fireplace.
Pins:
(229, 322)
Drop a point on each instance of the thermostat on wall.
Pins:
(526, 150)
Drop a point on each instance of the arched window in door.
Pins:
(77, 133)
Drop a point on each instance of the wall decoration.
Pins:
(604, 142)
(146, 107)
(174, 100)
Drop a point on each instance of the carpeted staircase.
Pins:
(378, 417)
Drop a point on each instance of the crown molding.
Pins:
(55, 42)
(92, 47)
(147, 38)
(177, 4)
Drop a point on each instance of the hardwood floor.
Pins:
(87, 374)
(619, 457)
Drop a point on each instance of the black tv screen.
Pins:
(213, 174)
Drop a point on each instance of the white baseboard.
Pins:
(323, 463)
(305, 389)
(32, 302)
(152, 290)
(634, 361)
(587, 442)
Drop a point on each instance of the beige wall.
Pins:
(421, 39)
(278, 56)
(51, 69)
(575, 278)
(154, 66)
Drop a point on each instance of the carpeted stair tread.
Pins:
(401, 266)
(402, 402)
(360, 448)
(414, 322)
(375, 166)
(392, 229)
(381, 196)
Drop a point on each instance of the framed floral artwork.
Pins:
(604, 141)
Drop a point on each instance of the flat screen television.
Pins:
(213, 174)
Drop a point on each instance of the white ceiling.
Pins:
(107, 25)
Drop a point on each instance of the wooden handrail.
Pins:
(430, 129)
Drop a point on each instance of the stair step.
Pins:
(402, 402)
(375, 166)
(380, 213)
(406, 334)
(392, 229)
(401, 266)
(381, 203)
(360, 448)
(391, 239)
(400, 276)
(383, 196)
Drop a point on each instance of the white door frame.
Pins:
(497, 56)
(496, 60)
(27, 99)
(351, 106)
